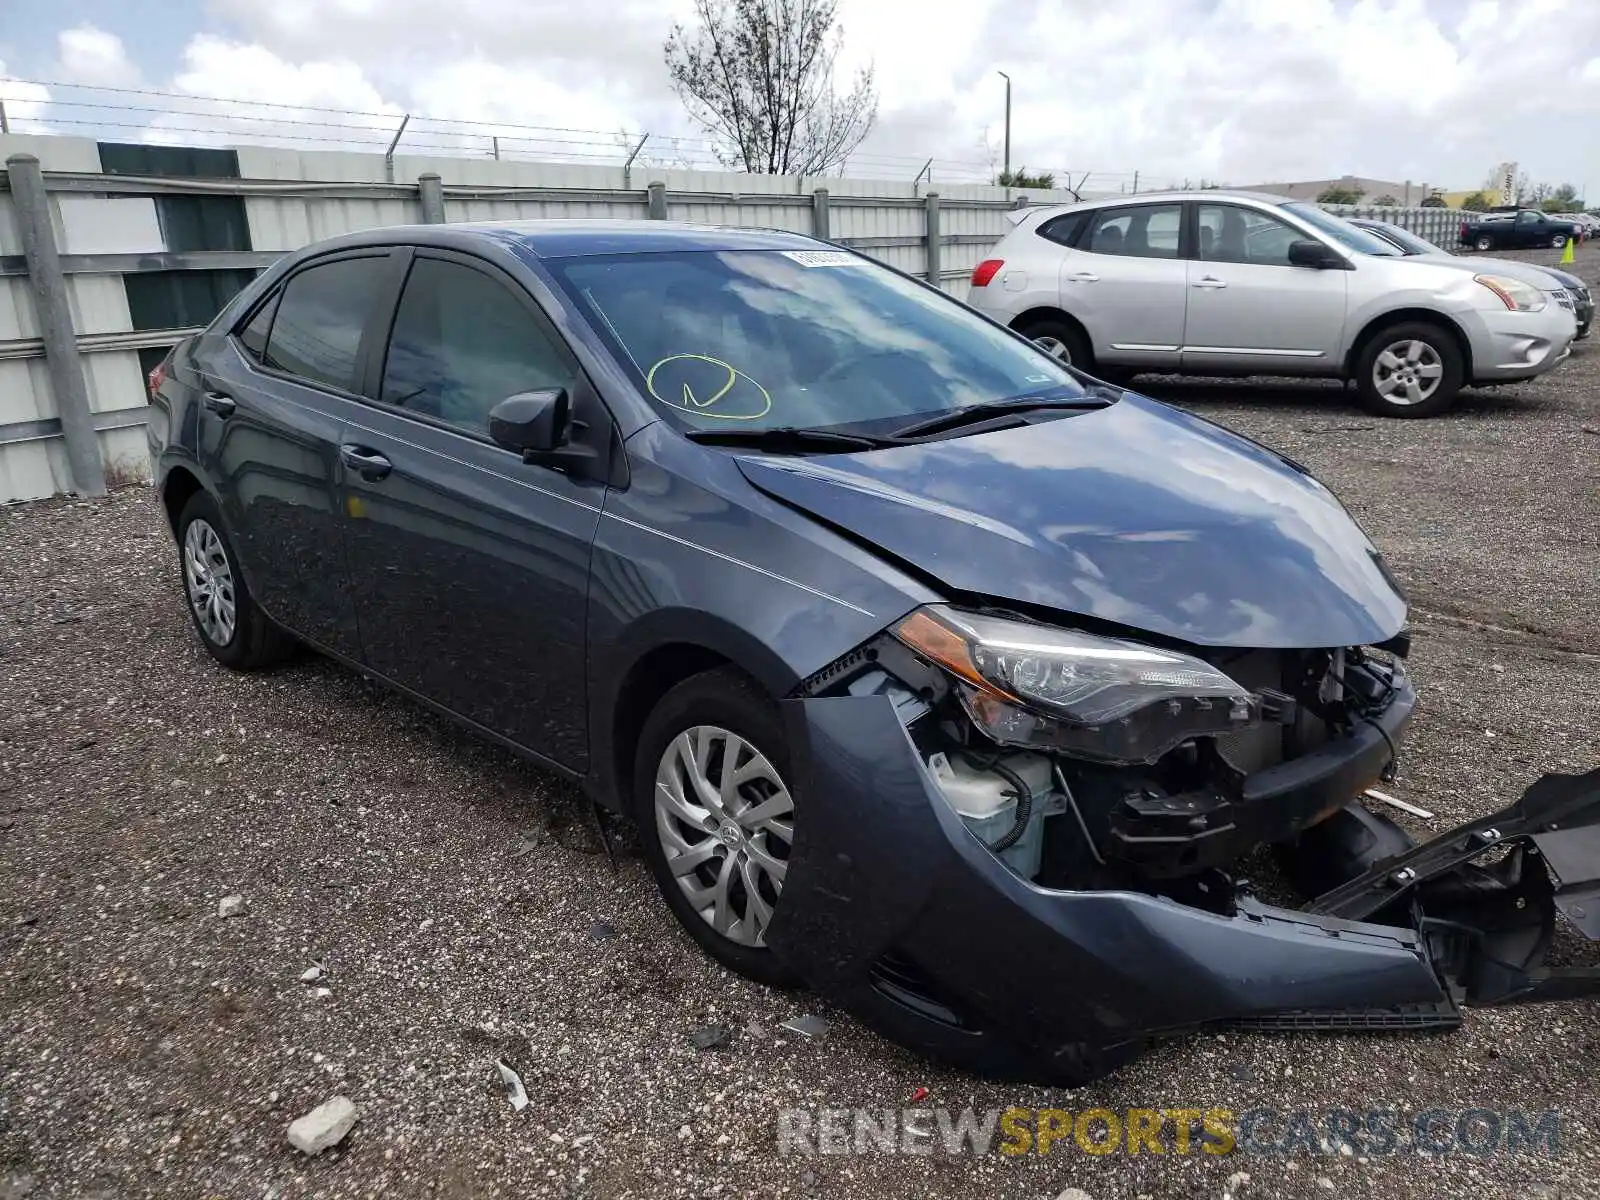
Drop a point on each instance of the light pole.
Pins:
(1007, 78)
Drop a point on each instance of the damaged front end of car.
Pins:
(1028, 864)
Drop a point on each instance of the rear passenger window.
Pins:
(317, 332)
(253, 337)
(1062, 229)
(462, 343)
(1146, 231)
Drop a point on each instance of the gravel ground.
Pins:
(464, 912)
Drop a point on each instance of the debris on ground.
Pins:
(232, 906)
(312, 973)
(601, 931)
(516, 1094)
(1073, 1193)
(807, 1026)
(323, 1127)
(711, 1037)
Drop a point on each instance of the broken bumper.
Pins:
(894, 910)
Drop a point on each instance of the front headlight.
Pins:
(1102, 698)
(1513, 293)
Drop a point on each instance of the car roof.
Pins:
(1040, 210)
(570, 238)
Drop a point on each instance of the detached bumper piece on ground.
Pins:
(1124, 929)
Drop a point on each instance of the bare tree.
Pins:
(759, 76)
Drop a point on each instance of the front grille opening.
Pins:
(902, 980)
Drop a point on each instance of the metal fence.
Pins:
(103, 268)
(1441, 226)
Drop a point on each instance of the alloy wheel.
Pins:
(726, 823)
(1407, 372)
(208, 578)
(1055, 348)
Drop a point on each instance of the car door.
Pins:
(269, 435)
(1249, 309)
(1124, 281)
(469, 567)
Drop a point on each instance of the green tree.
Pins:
(1433, 200)
(1477, 202)
(1562, 200)
(1386, 201)
(1338, 194)
(758, 76)
(1020, 178)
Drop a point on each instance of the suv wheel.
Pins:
(236, 632)
(1484, 242)
(717, 817)
(1061, 340)
(1558, 241)
(1410, 370)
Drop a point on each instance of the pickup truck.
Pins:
(1519, 229)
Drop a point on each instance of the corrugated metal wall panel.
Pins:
(114, 380)
(99, 304)
(16, 314)
(33, 470)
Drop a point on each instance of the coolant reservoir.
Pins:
(986, 803)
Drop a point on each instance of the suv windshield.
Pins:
(1341, 230)
(759, 339)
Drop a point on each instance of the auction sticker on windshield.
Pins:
(824, 258)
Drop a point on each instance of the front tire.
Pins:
(1413, 369)
(716, 816)
(231, 626)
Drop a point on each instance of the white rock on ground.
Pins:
(232, 906)
(324, 1126)
(1074, 1194)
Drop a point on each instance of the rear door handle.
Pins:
(1209, 281)
(1083, 277)
(222, 405)
(369, 464)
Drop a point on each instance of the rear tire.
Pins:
(1062, 340)
(710, 723)
(1483, 243)
(1558, 241)
(1412, 369)
(231, 626)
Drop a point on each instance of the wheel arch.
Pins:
(1401, 316)
(1046, 312)
(671, 648)
(177, 488)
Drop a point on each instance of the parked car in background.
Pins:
(1568, 291)
(1519, 229)
(1235, 283)
(935, 676)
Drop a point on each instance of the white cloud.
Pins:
(1239, 91)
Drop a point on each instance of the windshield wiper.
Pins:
(780, 438)
(976, 413)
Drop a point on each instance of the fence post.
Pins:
(432, 192)
(935, 271)
(658, 201)
(55, 323)
(819, 213)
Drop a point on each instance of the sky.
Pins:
(1231, 91)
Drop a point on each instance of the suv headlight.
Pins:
(1100, 698)
(1513, 293)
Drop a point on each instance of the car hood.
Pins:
(1543, 278)
(1136, 514)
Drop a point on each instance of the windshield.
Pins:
(1408, 242)
(757, 339)
(1342, 231)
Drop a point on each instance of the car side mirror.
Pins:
(539, 426)
(1306, 252)
(530, 422)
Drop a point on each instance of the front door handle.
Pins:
(220, 404)
(1083, 277)
(1210, 282)
(369, 464)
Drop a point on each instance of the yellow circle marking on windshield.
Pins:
(692, 402)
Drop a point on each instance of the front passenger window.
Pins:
(462, 343)
(1229, 233)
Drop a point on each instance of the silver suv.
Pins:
(1239, 283)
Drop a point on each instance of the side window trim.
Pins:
(389, 311)
(282, 286)
(236, 334)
